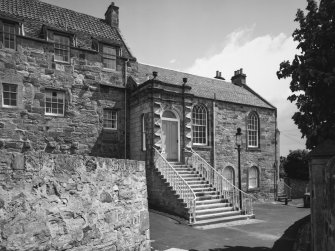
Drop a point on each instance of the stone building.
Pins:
(69, 84)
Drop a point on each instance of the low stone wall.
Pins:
(298, 187)
(70, 202)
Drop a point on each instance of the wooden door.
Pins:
(170, 139)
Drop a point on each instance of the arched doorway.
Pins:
(170, 135)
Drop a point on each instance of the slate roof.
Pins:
(36, 13)
(205, 87)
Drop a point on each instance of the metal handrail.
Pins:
(177, 183)
(221, 184)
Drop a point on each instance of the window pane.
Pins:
(54, 102)
(199, 121)
(9, 94)
(110, 119)
(8, 36)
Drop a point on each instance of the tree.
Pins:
(296, 165)
(313, 72)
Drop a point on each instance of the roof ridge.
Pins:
(179, 71)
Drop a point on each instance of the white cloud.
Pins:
(260, 58)
(172, 61)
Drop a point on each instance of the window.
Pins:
(7, 33)
(144, 147)
(253, 130)
(9, 95)
(109, 57)
(199, 125)
(253, 177)
(54, 102)
(62, 48)
(110, 119)
(229, 174)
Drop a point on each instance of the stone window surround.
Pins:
(19, 103)
(202, 106)
(45, 102)
(253, 148)
(256, 188)
(50, 32)
(116, 119)
(17, 29)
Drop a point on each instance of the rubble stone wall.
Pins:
(72, 202)
(88, 90)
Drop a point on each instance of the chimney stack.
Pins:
(218, 75)
(112, 15)
(239, 78)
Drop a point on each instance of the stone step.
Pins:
(189, 175)
(195, 186)
(206, 222)
(192, 179)
(205, 193)
(208, 211)
(208, 197)
(212, 205)
(186, 171)
(210, 201)
(217, 215)
(202, 188)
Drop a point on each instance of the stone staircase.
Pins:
(211, 207)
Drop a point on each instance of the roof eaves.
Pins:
(259, 96)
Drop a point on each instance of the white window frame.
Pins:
(64, 47)
(11, 33)
(49, 93)
(195, 124)
(108, 56)
(255, 179)
(10, 92)
(111, 119)
(253, 130)
(144, 142)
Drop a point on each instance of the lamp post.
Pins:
(238, 142)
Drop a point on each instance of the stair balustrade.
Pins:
(177, 183)
(220, 183)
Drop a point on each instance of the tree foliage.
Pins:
(296, 164)
(312, 72)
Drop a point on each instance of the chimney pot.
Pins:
(155, 74)
(219, 75)
(112, 15)
(184, 80)
(239, 77)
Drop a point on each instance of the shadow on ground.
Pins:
(287, 240)
(284, 243)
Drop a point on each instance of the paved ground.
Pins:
(275, 228)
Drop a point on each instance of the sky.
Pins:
(203, 36)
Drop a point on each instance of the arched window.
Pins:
(229, 174)
(199, 125)
(253, 130)
(169, 114)
(253, 177)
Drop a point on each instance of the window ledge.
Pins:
(54, 115)
(62, 62)
(109, 70)
(205, 147)
(251, 149)
(109, 129)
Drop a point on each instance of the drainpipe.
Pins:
(213, 137)
(276, 162)
(184, 116)
(125, 107)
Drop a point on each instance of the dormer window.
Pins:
(8, 35)
(109, 57)
(62, 48)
